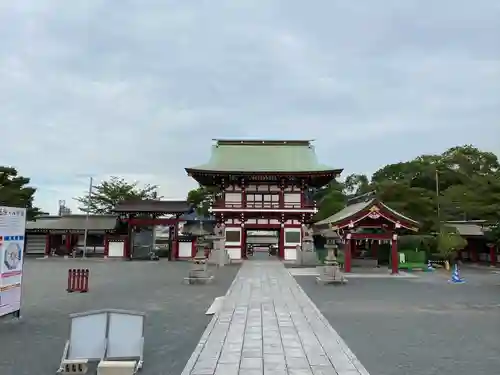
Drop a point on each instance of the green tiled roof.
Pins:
(356, 208)
(345, 213)
(263, 156)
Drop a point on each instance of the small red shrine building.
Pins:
(368, 219)
(263, 184)
(122, 235)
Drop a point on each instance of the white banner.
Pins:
(12, 232)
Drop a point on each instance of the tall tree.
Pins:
(201, 198)
(14, 192)
(465, 177)
(330, 199)
(106, 195)
(356, 184)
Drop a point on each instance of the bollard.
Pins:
(85, 281)
(78, 280)
(70, 287)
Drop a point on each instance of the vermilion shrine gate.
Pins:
(264, 185)
(369, 219)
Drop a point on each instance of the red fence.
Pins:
(78, 280)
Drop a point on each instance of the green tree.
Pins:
(417, 203)
(356, 184)
(106, 195)
(202, 198)
(14, 192)
(329, 199)
(493, 234)
(466, 178)
(449, 243)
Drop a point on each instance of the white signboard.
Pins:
(12, 232)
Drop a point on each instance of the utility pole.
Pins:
(438, 205)
(86, 233)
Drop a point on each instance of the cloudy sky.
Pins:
(139, 88)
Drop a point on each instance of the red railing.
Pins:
(263, 205)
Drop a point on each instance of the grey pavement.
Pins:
(420, 326)
(175, 312)
(268, 325)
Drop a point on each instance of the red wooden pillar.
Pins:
(281, 249)
(47, 245)
(106, 246)
(493, 254)
(243, 242)
(282, 195)
(175, 240)
(394, 255)
(348, 253)
(128, 241)
(193, 247)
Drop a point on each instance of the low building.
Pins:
(478, 249)
(63, 235)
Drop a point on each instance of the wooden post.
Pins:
(281, 250)
(106, 246)
(193, 247)
(175, 242)
(493, 254)
(348, 253)
(394, 255)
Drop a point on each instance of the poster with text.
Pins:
(12, 232)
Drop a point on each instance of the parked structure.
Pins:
(263, 184)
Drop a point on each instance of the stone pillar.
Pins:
(394, 255)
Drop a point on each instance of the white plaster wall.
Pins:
(116, 249)
(290, 254)
(185, 250)
(234, 253)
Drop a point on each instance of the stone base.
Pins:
(198, 280)
(341, 280)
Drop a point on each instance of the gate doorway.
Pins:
(262, 244)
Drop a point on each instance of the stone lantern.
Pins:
(330, 272)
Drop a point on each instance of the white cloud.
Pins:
(139, 88)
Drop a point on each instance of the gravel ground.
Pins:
(175, 312)
(422, 326)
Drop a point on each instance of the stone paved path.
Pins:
(268, 325)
